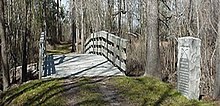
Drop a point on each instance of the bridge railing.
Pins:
(108, 45)
(42, 54)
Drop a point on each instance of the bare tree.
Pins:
(217, 76)
(153, 55)
(4, 54)
(119, 17)
(110, 14)
(73, 26)
(82, 26)
(24, 45)
(57, 27)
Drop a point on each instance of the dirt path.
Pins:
(108, 94)
(70, 93)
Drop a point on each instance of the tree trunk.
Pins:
(24, 57)
(82, 29)
(110, 13)
(217, 76)
(60, 25)
(153, 57)
(73, 27)
(119, 18)
(4, 54)
(57, 29)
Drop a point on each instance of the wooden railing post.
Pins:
(93, 42)
(119, 47)
(41, 54)
(108, 45)
(97, 49)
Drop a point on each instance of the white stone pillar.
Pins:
(188, 67)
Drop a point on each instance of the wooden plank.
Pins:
(105, 52)
(88, 40)
(88, 46)
(90, 50)
(123, 55)
(123, 66)
(99, 49)
(103, 34)
(123, 43)
(111, 57)
(117, 62)
(103, 43)
(117, 52)
(95, 35)
(111, 48)
(100, 42)
(41, 54)
(111, 38)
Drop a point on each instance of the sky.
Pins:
(64, 2)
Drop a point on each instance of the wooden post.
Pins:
(110, 46)
(40, 63)
(119, 47)
(97, 47)
(82, 28)
(188, 67)
(93, 43)
(107, 45)
(41, 54)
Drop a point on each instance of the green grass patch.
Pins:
(35, 93)
(60, 49)
(152, 92)
(89, 94)
(143, 91)
(54, 52)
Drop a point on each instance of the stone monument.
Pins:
(188, 67)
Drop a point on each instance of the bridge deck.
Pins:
(57, 66)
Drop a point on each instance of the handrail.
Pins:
(42, 54)
(108, 45)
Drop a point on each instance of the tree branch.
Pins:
(164, 2)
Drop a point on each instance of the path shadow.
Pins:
(65, 87)
(163, 97)
(11, 96)
(49, 66)
(62, 59)
(41, 98)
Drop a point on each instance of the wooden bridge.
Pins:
(105, 55)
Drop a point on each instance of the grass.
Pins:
(60, 49)
(143, 91)
(152, 92)
(34, 93)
